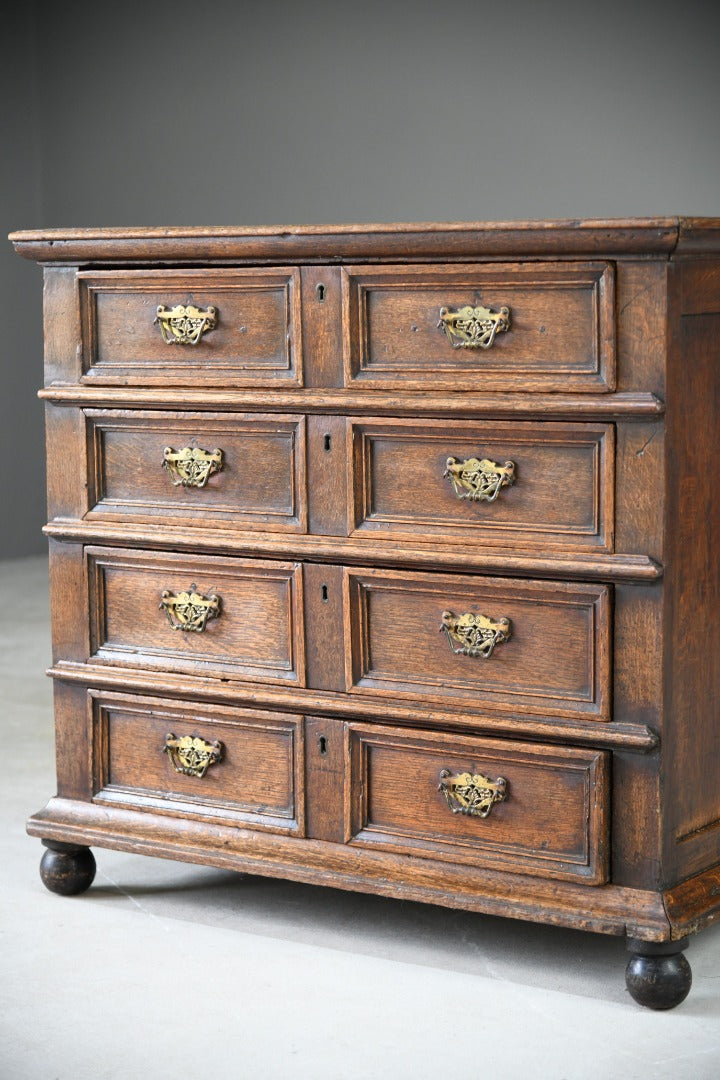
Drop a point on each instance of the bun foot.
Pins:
(67, 869)
(658, 976)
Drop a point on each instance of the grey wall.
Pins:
(22, 440)
(287, 112)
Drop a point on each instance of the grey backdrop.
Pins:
(178, 113)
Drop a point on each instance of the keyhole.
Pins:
(324, 593)
(322, 745)
(327, 444)
(320, 290)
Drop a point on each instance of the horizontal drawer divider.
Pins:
(614, 735)
(625, 405)
(425, 556)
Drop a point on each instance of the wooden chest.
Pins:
(386, 557)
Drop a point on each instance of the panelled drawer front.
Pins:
(554, 484)
(560, 335)
(257, 634)
(258, 481)
(552, 820)
(255, 340)
(255, 778)
(556, 660)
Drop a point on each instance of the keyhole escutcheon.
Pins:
(322, 745)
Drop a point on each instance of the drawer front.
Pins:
(544, 810)
(248, 322)
(402, 327)
(204, 469)
(473, 481)
(485, 643)
(234, 765)
(207, 616)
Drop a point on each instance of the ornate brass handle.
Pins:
(473, 327)
(477, 635)
(472, 793)
(191, 466)
(185, 324)
(192, 756)
(189, 610)
(479, 479)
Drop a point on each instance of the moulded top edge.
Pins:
(379, 240)
(174, 231)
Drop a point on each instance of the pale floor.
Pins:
(164, 970)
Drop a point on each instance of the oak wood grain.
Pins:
(552, 822)
(561, 335)
(562, 495)
(448, 715)
(478, 558)
(259, 485)
(258, 780)
(691, 638)
(256, 340)
(406, 241)
(629, 404)
(257, 634)
(325, 769)
(328, 475)
(336, 544)
(606, 909)
(394, 647)
(62, 325)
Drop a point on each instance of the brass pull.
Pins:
(192, 756)
(473, 327)
(185, 324)
(191, 466)
(472, 793)
(189, 610)
(477, 635)
(479, 479)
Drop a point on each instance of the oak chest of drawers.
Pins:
(386, 557)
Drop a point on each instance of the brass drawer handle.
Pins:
(473, 327)
(185, 324)
(191, 466)
(190, 755)
(189, 610)
(472, 793)
(477, 635)
(479, 479)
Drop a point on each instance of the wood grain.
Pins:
(553, 821)
(62, 325)
(257, 635)
(355, 402)
(261, 484)
(561, 336)
(449, 715)
(562, 495)
(325, 768)
(258, 780)
(335, 544)
(406, 241)
(691, 762)
(394, 648)
(328, 475)
(478, 558)
(605, 909)
(321, 326)
(257, 339)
